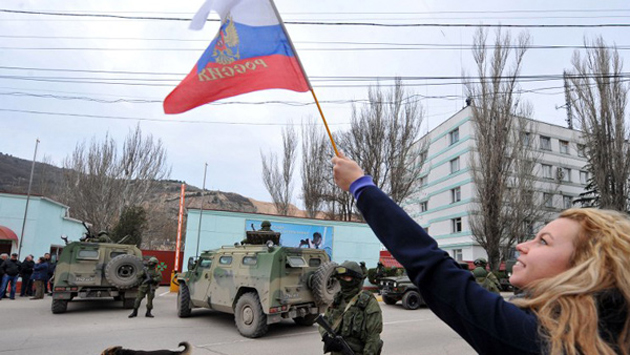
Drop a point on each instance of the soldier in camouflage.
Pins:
(354, 314)
(151, 277)
(265, 226)
(485, 278)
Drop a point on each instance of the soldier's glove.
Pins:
(332, 343)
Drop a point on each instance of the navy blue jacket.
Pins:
(40, 271)
(486, 321)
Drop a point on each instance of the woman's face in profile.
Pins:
(546, 255)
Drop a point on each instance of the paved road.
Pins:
(28, 327)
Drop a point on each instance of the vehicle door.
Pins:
(200, 281)
(86, 268)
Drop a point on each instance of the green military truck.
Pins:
(260, 282)
(94, 269)
(400, 288)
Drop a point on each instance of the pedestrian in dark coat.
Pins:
(49, 274)
(11, 268)
(3, 257)
(26, 274)
(40, 273)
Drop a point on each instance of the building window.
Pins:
(545, 143)
(548, 198)
(564, 174)
(581, 150)
(583, 177)
(454, 135)
(424, 180)
(424, 206)
(455, 165)
(546, 170)
(456, 224)
(526, 139)
(567, 201)
(564, 147)
(456, 194)
(458, 255)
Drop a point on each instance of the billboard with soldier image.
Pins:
(297, 235)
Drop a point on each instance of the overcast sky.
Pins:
(68, 79)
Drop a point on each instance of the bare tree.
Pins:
(279, 180)
(98, 185)
(314, 168)
(383, 139)
(599, 98)
(503, 164)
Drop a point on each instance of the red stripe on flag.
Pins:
(219, 81)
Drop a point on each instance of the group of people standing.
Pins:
(35, 275)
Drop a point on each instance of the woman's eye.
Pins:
(543, 241)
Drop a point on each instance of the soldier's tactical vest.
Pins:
(353, 326)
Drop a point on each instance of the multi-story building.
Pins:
(446, 192)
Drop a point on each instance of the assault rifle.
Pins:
(331, 332)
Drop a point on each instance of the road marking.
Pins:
(164, 293)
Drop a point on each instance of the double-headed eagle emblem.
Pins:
(226, 49)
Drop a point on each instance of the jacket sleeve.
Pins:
(486, 321)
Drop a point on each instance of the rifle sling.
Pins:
(350, 304)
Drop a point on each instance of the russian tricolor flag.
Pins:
(250, 52)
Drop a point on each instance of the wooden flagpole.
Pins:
(321, 113)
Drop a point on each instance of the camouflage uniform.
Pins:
(151, 277)
(362, 322)
(486, 279)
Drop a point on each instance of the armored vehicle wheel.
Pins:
(249, 317)
(128, 302)
(123, 270)
(59, 306)
(306, 321)
(323, 285)
(389, 300)
(412, 300)
(183, 301)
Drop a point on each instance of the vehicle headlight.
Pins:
(394, 284)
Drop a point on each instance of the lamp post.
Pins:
(205, 169)
(28, 197)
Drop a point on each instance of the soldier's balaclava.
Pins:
(350, 288)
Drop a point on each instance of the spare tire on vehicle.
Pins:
(123, 271)
(324, 285)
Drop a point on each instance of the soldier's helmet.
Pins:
(153, 261)
(480, 262)
(265, 224)
(350, 268)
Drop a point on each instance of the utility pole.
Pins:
(567, 98)
(28, 197)
(205, 169)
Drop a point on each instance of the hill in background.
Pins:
(162, 231)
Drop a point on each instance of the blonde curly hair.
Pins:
(567, 304)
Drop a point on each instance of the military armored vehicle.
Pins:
(260, 282)
(400, 288)
(93, 269)
(397, 288)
